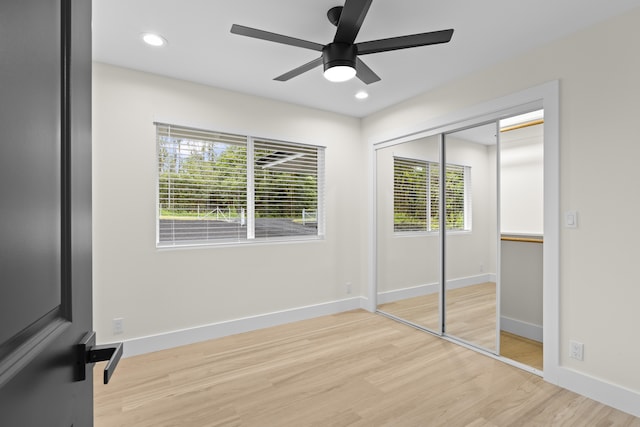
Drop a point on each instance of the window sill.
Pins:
(235, 243)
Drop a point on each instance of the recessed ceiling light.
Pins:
(362, 95)
(153, 39)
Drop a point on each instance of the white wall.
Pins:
(158, 291)
(598, 70)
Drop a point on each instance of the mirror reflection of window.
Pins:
(408, 242)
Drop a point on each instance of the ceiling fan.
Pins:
(340, 57)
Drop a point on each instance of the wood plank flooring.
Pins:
(350, 369)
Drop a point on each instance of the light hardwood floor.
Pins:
(350, 369)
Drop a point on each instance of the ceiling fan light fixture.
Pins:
(339, 73)
(339, 62)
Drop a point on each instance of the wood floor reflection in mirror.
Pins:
(521, 349)
(471, 311)
(471, 314)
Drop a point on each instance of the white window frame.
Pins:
(250, 220)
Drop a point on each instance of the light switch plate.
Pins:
(571, 219)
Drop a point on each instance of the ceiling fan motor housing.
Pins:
(339, 54)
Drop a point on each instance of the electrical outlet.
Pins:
(576, 350)
(348, 287)
(118, 326)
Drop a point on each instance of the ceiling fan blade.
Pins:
(273, 37)
(364, 73)
(301, 69)
(351, 20)
(404, 42)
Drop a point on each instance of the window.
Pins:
(215, 187)
(416, 196)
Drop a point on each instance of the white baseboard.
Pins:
(610, 394)
(416, 291)
(148, 344)
(519, 327)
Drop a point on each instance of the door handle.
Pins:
(87, 353)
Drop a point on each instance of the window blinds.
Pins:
(202, 180)
(215, 187)
(286, 183)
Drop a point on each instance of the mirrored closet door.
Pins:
(471, 236)
(459, 247)
(522, 240)
(408, 241)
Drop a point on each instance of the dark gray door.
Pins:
(45, 211)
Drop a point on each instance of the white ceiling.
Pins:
(202, 49)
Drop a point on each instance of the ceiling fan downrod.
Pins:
(334, 15)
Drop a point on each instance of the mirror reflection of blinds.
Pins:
(410, 194)
(220, 187)
(417, 196)
(458, 197)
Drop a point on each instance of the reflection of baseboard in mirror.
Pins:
(431, 288)
(419, 304)
(471, 310)
(420, 310)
